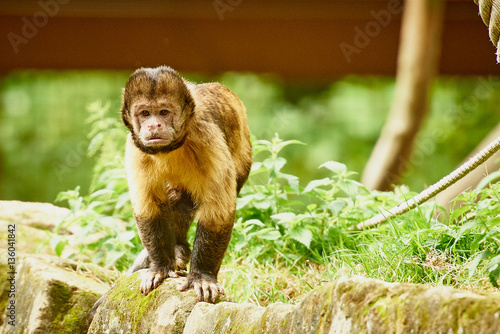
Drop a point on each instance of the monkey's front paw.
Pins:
(206, 287)
(151, 278)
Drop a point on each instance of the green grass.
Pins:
(414, 248)
(289, 238)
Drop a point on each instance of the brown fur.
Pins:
(197, 170)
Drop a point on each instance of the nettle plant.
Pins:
(106, 232)
(475, 233)
(277, 216)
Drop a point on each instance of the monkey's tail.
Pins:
(435, 189)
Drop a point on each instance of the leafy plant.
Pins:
(104, 231)
(277, 216)
(477, 232)
(292, 230)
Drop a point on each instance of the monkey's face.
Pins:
(156, 123)
(157, 107)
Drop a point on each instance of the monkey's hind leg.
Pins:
(165, 241)
(183, 211)
(182, 256)
(141, 262)
(208, 252)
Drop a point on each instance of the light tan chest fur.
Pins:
(208, 176)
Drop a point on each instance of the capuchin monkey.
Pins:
(187, 156)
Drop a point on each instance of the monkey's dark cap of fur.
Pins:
(153, 72)
(153, 83)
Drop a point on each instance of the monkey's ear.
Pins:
(126, 118)
(189, 105)
(125, 110)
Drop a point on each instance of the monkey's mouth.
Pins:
(156, 140)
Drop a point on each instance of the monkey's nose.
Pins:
(152, 126)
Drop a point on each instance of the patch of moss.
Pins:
(127, 289)
(69, 308)
(76, 316)
(482, 314)
(59, 294)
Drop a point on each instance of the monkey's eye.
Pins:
(145, 113)
(164, 112)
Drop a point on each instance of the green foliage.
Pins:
(477, 230)
(292, 220)
(277, 216)
(43, 136)
(282, 222)
(43, 132)
(106, 232)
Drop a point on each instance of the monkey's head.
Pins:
(157, 107)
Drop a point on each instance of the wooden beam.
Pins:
(298, 40)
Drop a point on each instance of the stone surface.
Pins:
(358, 305)
(238, 318)
(44, 216)
(33, 220)
(126, 310)
(28, 239)
(50, 296)
(54, 295)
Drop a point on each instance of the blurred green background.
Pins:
(43, 133)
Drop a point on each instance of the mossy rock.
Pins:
(127, 310)
(50, 296)
(358, 305)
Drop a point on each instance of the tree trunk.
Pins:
(418, 57)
